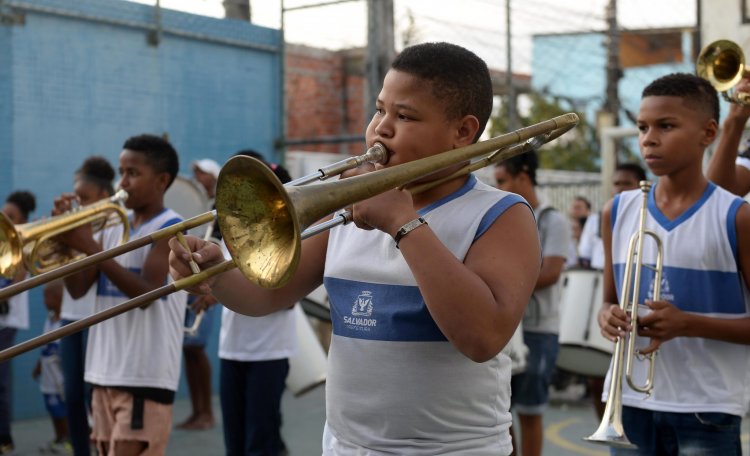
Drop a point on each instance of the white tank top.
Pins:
(395, 384)
(700, 276)
(18, 309)
(244, 338)
(142, 347)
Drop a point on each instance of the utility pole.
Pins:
(511, 91)
(608, 116)
(380, 49)
(614, 72)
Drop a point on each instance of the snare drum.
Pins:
(188, 199)
(309, 366)
(583, 349)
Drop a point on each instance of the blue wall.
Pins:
(78, 77)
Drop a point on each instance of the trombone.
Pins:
(722, 63)
(610, 431)
(33, 244)
(375, 154)
(264, 222)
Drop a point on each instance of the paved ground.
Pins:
(566, 422)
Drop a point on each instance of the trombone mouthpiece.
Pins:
(377, 154)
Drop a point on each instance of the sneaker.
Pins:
(57, 448)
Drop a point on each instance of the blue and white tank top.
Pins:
(701, 276)
(395, 384)
(142, 347)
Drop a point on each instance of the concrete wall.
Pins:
(725, 19)
(78, 77)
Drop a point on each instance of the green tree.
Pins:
(576, 150)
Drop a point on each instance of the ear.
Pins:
(466, 129)
(162, 179)
(710, 132)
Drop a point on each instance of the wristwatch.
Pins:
(408, 228)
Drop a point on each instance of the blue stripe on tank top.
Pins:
(497, 210)
(470, 183)
(732, 225)
(692, 290)
(669, 225)
(371, 311)
(170, 222)
(613, 214)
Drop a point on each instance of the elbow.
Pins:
(76, 292)
(480, 353)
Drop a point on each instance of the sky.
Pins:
(479, 25)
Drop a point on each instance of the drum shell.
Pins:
(583, 349)
(188, 198)
(308, 367)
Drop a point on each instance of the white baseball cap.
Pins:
(208, 166)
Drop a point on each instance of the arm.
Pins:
(236, 292)
(492, 285)
(477, 303)
(722, 168)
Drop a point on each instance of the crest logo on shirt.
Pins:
(665, 293)
(363, 304)
(361, 309)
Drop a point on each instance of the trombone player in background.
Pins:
(701, 324)
(133, 361)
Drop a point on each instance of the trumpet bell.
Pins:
(11, 248)
(722, 63)
(257, 221)
(611, 434)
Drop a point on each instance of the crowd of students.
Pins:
(426, 289)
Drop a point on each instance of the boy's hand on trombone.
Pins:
(387, 211)
(205, 253)
(613, 321)
(664, 322)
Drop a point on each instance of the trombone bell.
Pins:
(11, 248)
(257, 221)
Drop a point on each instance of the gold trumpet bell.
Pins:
(257, 222)
(11, 248)
(722, 63)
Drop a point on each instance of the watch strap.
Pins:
(408, 228)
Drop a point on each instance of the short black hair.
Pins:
(527, 162)
(695, 90)
(584, 200)
(281, 173)
(97, 171)
(158, 151)
(633, 168)
(457, 76)
(24, 200)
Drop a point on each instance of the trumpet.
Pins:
(610, 431)
(33, 244)
(722, 63)
(263, 222)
